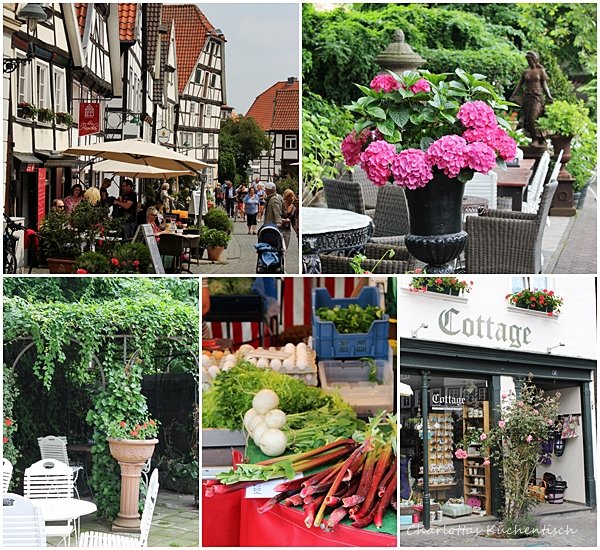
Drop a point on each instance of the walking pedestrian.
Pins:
(289, 215)
(229, 198)
(260, 193)
(273, 204)
(251, 204)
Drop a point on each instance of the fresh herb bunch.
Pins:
(353, 319)
(224, 405)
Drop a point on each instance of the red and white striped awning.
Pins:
(296, 306)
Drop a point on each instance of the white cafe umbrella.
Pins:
(141, 152)
(138, 170)
(405, 390)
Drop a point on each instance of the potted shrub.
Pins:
(65, 119)
(92, 262)
(130, 258)
(90, 221)
(440, 285)
(537, 300)
(131, 444)
(45, 115)
(26, 110)
(582, 165)
(60, 241)
(218, 219)
(215, 241)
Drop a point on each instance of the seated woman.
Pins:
(152, 219)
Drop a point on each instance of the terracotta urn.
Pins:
(131, 454)
(215, 252)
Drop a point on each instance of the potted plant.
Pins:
(582, 165)
(130, 258)
(429, 134)
(90, 220)
(441, 285)
(218, 219)
(66, 119)
(131, 444)
(215, 241)
(26, 110)
(537, 300)
(45, 115)
(61, 243)
(92, 262)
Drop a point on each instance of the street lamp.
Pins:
(33, 14)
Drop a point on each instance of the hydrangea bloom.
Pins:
(480, 157)
(352, 146)
(477, 114)
(411, 169)
(496, 138)
(385, 83)
(375, 161)
(448, 154)
(420, 85)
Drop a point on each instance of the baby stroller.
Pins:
(270, 250)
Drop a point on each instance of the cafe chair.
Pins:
(536, 185)
(344, 195)
(484, 186)
(22, 523)
(508, 242)
(7, 470)
(112, 540)
(55, 446)
(391, 216)
(401, 262)
(48, 479)
(369, 190)
(177, 249)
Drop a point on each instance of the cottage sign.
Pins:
(452, 323)
(89, 119)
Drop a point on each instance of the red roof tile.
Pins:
(127, 20)
(192, 29)
(81, 12)
(278, 107)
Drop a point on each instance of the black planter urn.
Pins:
(435, 211)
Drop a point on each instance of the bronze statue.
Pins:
(533, 86)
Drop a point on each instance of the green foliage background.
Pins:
(93, 311)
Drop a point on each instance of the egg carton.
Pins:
(309, 374)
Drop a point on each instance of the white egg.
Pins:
(301, 345)
(226, 367)
(245, 348)
(213, 371)
(275, 364)
(230, 359)
(289, 347)
(288, 364)
(252, 360)
(301, 365)
(206, 361)
(308, 377)
(262, 363)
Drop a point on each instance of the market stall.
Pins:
(300, 436)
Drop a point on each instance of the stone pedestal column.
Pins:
(131, 455)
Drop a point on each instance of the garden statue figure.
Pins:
(532, 87)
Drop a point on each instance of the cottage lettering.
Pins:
(451, 323)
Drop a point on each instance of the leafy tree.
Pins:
(243, 140)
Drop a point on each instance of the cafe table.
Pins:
(332, 231)
(513, 182)
(65, 509)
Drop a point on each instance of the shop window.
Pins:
(290, 142)
(531, 283)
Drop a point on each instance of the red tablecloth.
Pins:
(283, 526)
(221, 519)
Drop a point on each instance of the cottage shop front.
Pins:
(459, 355)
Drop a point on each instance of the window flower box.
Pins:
(65, 119)
(545, 301)
(45, 115)
(26, 110)
(450, 286)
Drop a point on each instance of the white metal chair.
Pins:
(484, 186)
(112, 540)
(55, 446)
(536, 185)
(22, 523)
(7, 470)
(47, 479)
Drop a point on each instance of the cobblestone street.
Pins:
(577, 529)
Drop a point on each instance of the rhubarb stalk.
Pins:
(382, 464)
(384, 502)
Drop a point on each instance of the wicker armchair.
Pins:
(344, 195)
(370, 191)
(401, 262)
(508, 242)
(391, 216)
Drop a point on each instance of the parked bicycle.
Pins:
(10, 245)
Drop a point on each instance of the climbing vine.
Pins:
(10, 393)
(146, 311)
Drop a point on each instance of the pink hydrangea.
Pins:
(411, 169)
(504, 144)
(486, 462)
(352, 146)
(460, 454)
(483, 437)
(501, 423)
(420, 85)
(477, 114)
(480, 157)
(375, 161)
(448, 154)
(384, 83)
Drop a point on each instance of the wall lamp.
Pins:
(413, 333)
(32, 14)
(549, 350)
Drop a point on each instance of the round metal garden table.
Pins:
(332, 231)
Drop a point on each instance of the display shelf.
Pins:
(477, 417)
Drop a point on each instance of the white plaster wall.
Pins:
(524, 330)
(570, 465)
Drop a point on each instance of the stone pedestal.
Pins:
(562, 203)
(131, 454)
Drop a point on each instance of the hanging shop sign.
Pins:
(89, 119)
(452, 323)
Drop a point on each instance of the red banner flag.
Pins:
(89, 118)
(41, 194)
